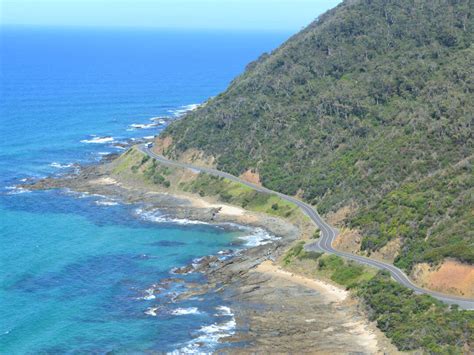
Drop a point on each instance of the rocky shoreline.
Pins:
(274, 311)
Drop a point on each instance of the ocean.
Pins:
(80, 273)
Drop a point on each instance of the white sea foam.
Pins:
(102, 200)
(224, 311)
(98, 140)
(174, 269)
(106, 203)
(255, 237)
(158, 120)
(227, 252)
(151, 311)
(181, 221)
(88, 194)
(211, 334)
(156, 217)
(148, 137)
(77, 194)
(196, 261)
(61, 166)
(258, 237)
(185, 311)
(15, 190)
(149, 295)
(135, 126)
(184, 109)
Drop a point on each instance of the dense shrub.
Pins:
(416, 321)
(363, 107)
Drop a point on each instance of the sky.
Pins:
(268, 15)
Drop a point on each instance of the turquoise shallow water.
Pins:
(76, 274)
(78, 280)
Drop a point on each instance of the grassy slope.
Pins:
(134, 165)
(361, 107)
(241, 195)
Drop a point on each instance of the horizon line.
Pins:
(172, 28)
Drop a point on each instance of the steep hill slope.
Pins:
(371, 106)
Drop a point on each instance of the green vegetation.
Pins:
(316, 234)
(126, 161)
(416, 321)
(294, 252)
(154, 172)
(140, 164)
(438, 207)
(368, 106)
(345, 273)
(299, 253)
(240, 195)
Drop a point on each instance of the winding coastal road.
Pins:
(328, 233)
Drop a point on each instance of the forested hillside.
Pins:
(371, 106)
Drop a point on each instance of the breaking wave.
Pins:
(258, 237)
(61, 166)
(210, 335)
(156, 217)
(184, 109)
(15, 190)
(98, 140)
(185, 311)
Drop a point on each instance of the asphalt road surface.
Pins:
(328, 233)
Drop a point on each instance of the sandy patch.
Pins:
(348, 240)
(230, 210)
(388, 252)
(252, 177)
(331, 292)
(197, 157)
(449, 277)
(338, 217)
(365, 336)
(224, 209)
(227, 210)
(162, 144)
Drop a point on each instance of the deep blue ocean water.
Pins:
(76, 274)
